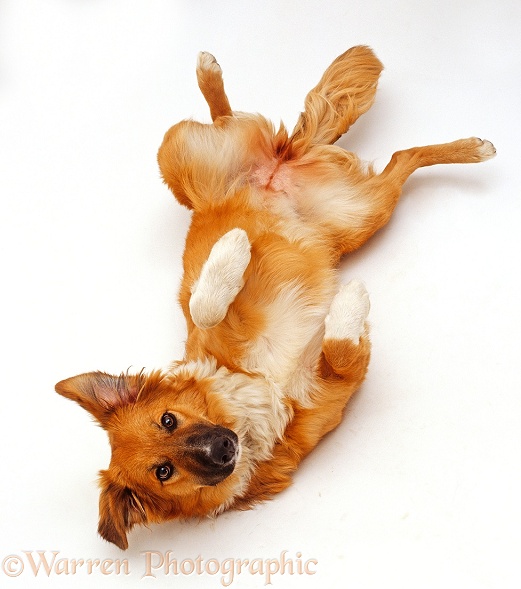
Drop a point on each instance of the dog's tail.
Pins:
(345, 92)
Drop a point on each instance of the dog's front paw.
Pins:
(221, 279)
(348, 312)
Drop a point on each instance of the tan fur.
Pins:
(262, 380)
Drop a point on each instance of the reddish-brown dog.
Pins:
(275, 346)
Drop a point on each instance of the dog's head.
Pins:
(174, 451)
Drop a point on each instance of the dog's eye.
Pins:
(169, 421)
(164, 472)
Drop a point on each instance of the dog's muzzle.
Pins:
(214, 451)
(223, 448)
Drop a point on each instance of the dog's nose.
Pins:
(222, 450)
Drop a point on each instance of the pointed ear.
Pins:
(120, 509)
(100, 393)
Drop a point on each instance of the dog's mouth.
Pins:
(212, 453)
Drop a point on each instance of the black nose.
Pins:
(222, 450)
(211, 452)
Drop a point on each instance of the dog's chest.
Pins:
(287, 349)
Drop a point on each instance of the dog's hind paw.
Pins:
(206, 61)
(485, 150)
(348, 312)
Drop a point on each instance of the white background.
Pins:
(420, 484)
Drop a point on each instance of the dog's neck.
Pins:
(255, 404)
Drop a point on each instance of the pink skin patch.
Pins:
(273, 175)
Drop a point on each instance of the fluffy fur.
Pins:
(275, 346)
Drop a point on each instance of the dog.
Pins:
(275, 345)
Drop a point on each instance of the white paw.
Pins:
(348, 312)
(206, 61)
(221, 279)
(484, 149)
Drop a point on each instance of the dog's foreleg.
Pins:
(348, 312)
(343, 367)
(221, 279)
(210, 80)
(345, 345)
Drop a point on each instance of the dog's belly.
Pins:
(272, 176)
(278, 190)
(312, 192)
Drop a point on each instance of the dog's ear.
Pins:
(119, 510)
(100, 393)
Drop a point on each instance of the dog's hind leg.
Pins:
(369, 203)
(210, 80)
(220, 280)
(463, 151)
(345, 91)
